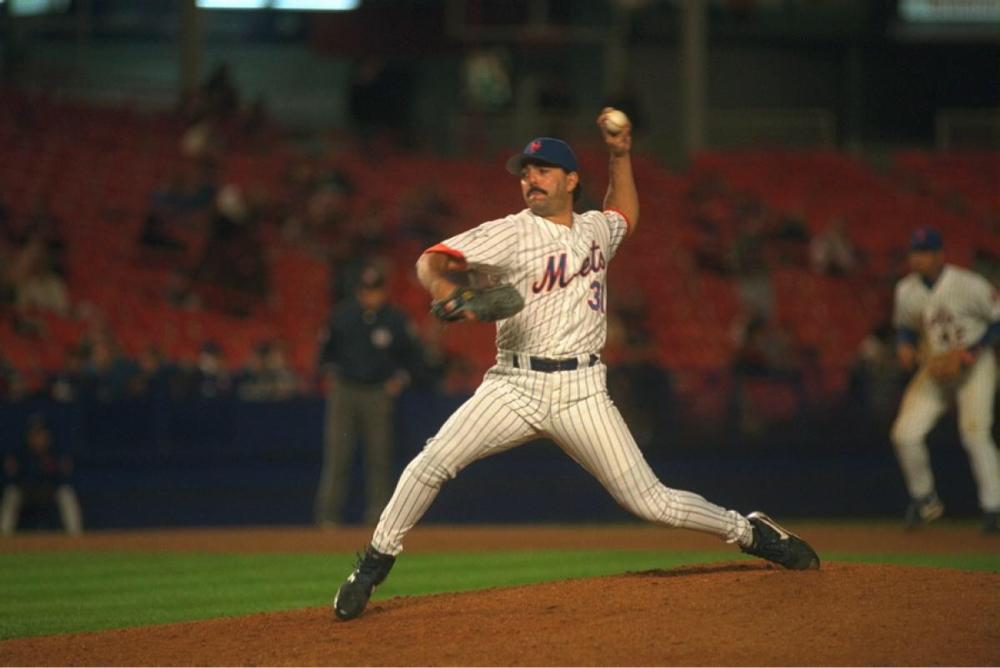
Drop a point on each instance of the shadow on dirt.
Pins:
(704, 569)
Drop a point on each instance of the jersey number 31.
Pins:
(596, 301)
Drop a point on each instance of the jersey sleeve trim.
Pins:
(628, 223)
(907, 335)
(447, 250)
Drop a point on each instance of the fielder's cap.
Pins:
(544, 149)
(371, 278)
(926, 239)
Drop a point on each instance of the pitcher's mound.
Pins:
(740, 613)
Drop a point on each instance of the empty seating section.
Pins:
(96, 168)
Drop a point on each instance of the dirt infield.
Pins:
(733, 613)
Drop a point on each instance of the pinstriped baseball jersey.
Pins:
(954, 313)
(560, 271)
(548, 381)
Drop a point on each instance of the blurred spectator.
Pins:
(216, 99)
(437, 364)
(208, 378)
(370, 353)
(283, 382)
(752, 269)
(346, 262)
(202, 142)
(831, 251)
(249, 383)
(368, 227)
(363, 241)
(710, 251)
(710, 210)
(789, 239)
(220, 93)
(69, 382)
(876, 380)
(425, 215)
(108, 375)
(155, 375)
(267, 375)
(191, 190)
(233, 272)
(766, 352)
(38, 478)
(42, 222)
(326, 208)
(35, 283)
(640, 387)
(156, 233)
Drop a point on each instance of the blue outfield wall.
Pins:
(229, 462)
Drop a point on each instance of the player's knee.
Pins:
(974, 434)
(651, 504)
(430, 469)
(903, 435)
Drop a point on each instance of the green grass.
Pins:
(50, 593)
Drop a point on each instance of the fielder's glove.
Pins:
(487, 304)
(949, 365)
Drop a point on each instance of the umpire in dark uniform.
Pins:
(370, 352)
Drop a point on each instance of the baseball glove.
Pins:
(487, 304)
(947, 365)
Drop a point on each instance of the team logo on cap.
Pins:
(534, 146)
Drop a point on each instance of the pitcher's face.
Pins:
(547, 190)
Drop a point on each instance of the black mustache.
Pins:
(536, 189)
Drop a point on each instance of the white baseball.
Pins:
(615, 121)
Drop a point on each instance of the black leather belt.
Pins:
(549, 366)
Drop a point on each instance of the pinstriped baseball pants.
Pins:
(514, 406)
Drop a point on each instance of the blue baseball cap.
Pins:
(544, 149)
(926, 239)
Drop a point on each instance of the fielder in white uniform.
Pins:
(941, 309)
(548, 380)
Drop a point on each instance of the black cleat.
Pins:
(991, 522)
(922, 511)
(371, 569)
(773, 542)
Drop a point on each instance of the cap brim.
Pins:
(514, 164)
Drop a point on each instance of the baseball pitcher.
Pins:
(953, 315)
(547, 292)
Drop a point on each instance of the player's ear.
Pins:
(572, 181)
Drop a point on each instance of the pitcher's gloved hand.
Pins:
(486, 304)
